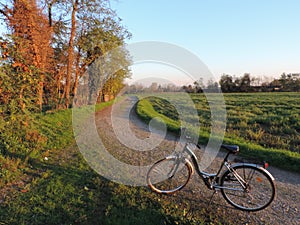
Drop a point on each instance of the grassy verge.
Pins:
(146, 111)
(277, 157)
(58, 187)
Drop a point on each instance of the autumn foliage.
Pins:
(45, 55)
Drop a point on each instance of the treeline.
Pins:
(228, 83)
(49, 48)
(246, 83)
(286, 83)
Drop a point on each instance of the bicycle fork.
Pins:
(179, 159)
(174, 169)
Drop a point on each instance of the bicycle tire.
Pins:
(162, 179)
(259, 190)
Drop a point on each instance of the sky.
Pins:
(260, 37)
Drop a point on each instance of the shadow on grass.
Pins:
(74, 194)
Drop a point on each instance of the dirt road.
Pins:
(284, 210)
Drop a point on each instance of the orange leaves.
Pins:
(4, 48)
(17, 64)
(35, 137)
(3, 44)
(4, 55)
(32, 35)
(21, 66)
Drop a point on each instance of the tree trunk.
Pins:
(77, 74)
(71, 54)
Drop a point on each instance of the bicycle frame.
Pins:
(206, 177)
(211, 180)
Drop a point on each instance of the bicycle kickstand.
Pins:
(211, 198)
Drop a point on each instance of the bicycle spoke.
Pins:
(258, 188)
(168, 175)
(250, 176)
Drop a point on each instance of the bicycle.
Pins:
(246, 186)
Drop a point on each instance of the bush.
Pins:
(20, 138)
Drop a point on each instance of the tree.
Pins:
(199, 85)
(290, 82)
(94, 29)
(31, 35)
(107, 73)
(19, 88)
(245, 83)
(212, 86)
(153, 87)
(227, 84)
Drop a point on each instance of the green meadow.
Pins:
(266, 126)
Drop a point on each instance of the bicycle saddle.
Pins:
(231, 148)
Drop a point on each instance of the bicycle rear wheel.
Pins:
(169, 175)
(255, 193)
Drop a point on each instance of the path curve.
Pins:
(284, 210)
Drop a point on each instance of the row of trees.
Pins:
(246, 83)
(49, 48)
(286, 82)
(227, 83)
(54, 53)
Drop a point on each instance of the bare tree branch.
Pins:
(4, 13)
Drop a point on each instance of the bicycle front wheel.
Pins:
(248, 187)
(169, 175)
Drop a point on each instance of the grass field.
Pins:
(265, 125)
(64, 190)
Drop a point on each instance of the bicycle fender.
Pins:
(254, 165)
(191, 166)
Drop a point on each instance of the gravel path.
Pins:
(284, 210)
